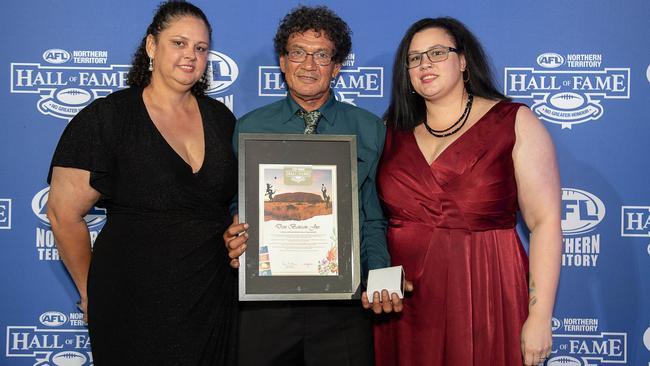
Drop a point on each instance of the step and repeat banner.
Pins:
(582, 67)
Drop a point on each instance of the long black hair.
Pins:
(139, 74)
(407, 109)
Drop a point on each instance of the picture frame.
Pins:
(299, 195)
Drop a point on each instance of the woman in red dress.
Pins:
(460, 159)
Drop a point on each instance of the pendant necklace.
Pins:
(457, 125)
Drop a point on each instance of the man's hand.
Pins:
(235, 238)
(389, 304)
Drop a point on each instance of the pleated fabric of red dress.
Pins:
(452, 227)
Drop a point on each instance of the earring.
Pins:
(150, 64)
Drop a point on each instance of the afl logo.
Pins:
(53, 318)
(56, 56)
(222, 72)
(550, 60)
(581, 211)
(94, 218)
(555, 324)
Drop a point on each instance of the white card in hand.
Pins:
(389, 278)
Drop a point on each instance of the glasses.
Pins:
(321, 58)
(435, 54)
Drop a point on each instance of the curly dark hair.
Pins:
(139, 74)
(406, 109)
(319, 19)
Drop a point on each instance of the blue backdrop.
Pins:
(582, 66)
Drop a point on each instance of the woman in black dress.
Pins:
(157, 288)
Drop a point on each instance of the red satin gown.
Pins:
(452, 227)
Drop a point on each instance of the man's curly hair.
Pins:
(319, 19)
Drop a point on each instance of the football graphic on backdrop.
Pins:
(69, 358)
(567, 100)
(73, 96)
(564, 361)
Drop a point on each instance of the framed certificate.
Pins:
(298, 193)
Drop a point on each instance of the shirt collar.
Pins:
(328, 112)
